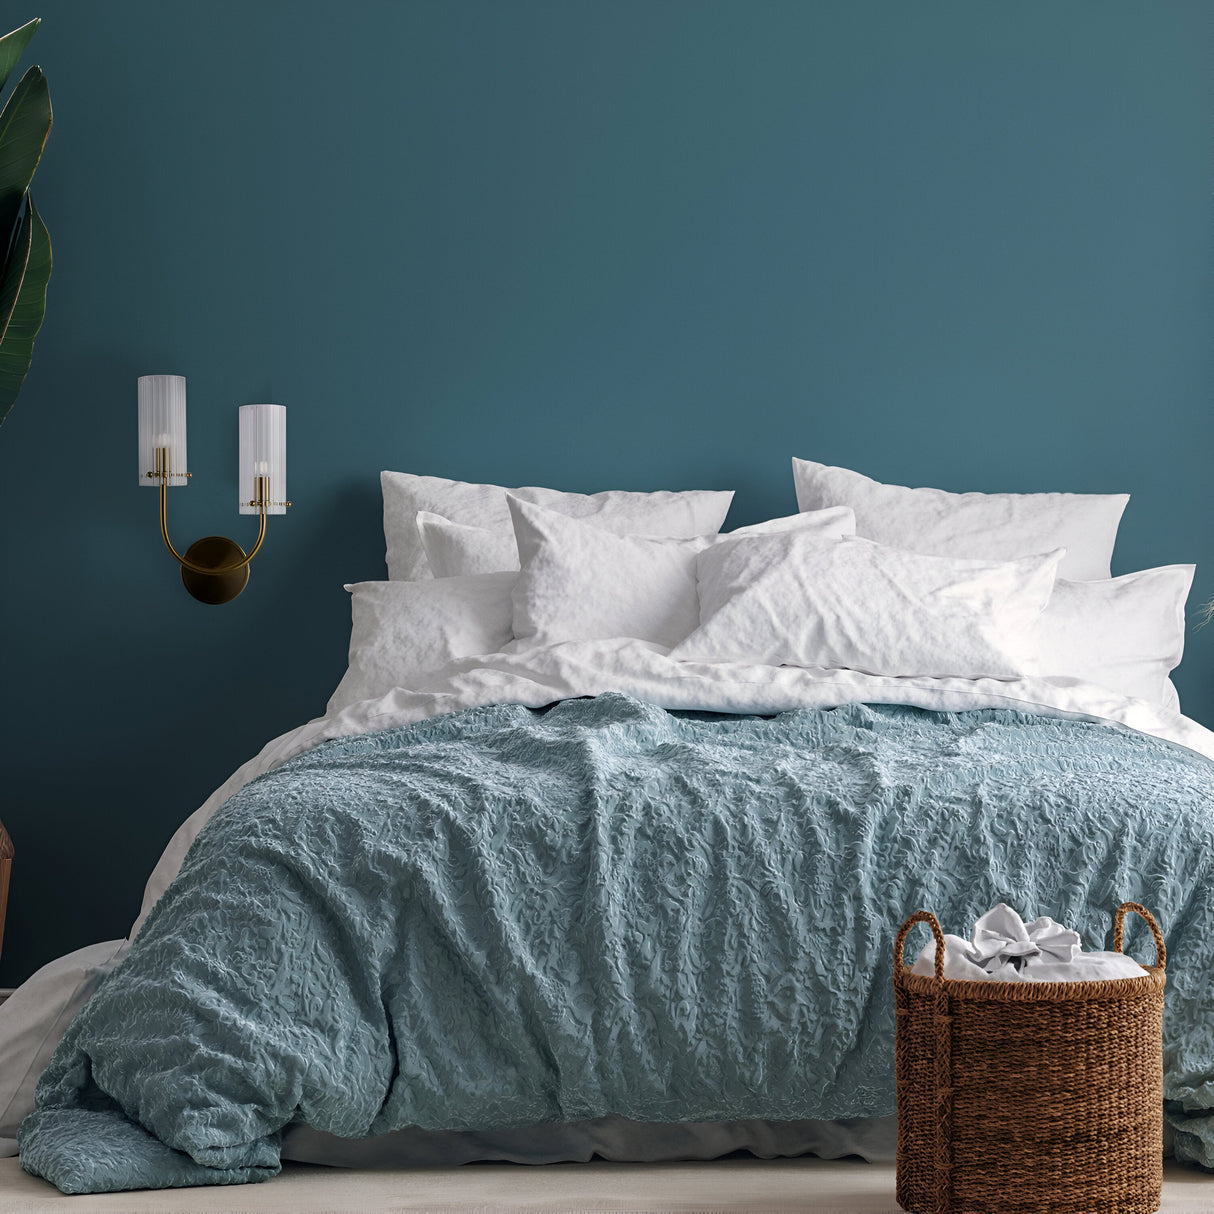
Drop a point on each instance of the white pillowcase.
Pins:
(1126, 633)
(979, 526)
(581, 583)
(404, 630)
(457, 550)
(696, 512)
(792, 600)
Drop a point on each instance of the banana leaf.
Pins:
(25, 124)
(22, 303)
(12, 47)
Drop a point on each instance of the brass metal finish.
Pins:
(214, 569)
(184, 561)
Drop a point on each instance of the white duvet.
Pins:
(34, 1018)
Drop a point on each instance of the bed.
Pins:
(603, 839)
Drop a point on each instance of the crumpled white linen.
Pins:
(1006, 949)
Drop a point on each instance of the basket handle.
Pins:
(1161, 949)
(934, 923)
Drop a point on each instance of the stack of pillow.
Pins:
(871, 577)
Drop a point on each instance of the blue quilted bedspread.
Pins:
(508, 916)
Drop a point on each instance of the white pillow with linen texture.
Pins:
(682, 514)
(581, 583)
(791, 600)
(1125, 633)
(976, 526)
(401, 631)
(458, 550)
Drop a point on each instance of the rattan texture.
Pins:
(1027, 1097)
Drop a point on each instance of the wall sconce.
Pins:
(214, 569)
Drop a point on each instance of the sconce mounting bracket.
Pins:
(218, 553)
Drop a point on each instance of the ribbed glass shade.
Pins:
(263, 452)
(162, 424)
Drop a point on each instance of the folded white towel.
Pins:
(1006, 949)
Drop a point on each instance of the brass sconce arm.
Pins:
(214, 569)
(185, 562)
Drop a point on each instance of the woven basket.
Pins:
(1025, 1097)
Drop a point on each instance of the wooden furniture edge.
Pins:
(6, 865)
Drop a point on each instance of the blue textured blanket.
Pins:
(508, 916)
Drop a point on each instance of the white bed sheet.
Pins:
(536, 676)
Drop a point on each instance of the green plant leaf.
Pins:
(14, 273)
(12, 47)
(22, 303)
(25, 124)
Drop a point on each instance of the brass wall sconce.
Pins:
(214, 569)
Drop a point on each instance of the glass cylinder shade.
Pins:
(263, 452)
(162, 424)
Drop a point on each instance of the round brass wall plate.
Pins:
(215, 551)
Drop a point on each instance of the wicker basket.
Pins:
(1025, 1097)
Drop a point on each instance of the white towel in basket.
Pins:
(1006, 949)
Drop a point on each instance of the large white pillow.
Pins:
(978, 526)
(791, 600)
(696, 512)
(581, 583)
(1125, 633)
(402, 631)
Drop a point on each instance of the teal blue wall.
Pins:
(627, 243)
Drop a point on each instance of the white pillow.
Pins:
(979, 526)
(581, 583)
(792, 600)
(696, 512)
(457, 550)
(1126, 633)
(404, 630)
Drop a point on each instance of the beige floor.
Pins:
(729, 1185)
